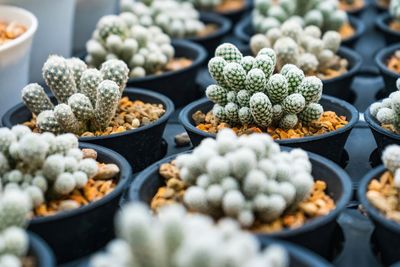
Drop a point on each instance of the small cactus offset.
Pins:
(387, 111)
(38, 164)
(79, 93)
(325, 14)
(177, 18)
(144, 48)
(186, 240)
(267, 181)
(14, 208)
(307, 48)
(247, 93)
(391, 160)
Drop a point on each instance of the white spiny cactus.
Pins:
(243, 176)
(181, 239)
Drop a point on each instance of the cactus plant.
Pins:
(324, 14)
(267, 181)
(183, 240)
(14, 208)
(88, 98)
(42, 163)
(387, 111)
(247, 94)
(144, 48)
(178, 19)
(306, 48)
(394, 10)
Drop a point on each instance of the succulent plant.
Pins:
(144, 48)
(394, 10)
(325, 14)
(88, 98)
(176, 238)
(248, 92)
(14, 208)
(391, 160)
(178, 19)
(42, 163)
(306, 48)
(387, 111)
(247, 178)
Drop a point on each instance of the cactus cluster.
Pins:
(306, 48)
(144, 48)
(175, 18)
(394, 10)
(247, 91)
(247, 178)
(325, 14)
(176, 238)
(14, 208)
(42, 164)
(87, 98)
(387, 111)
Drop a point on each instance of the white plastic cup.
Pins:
(87, 14)
(54, 35)
(14, 57)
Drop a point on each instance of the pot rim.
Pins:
(41, 250)
(381, 23)
(298, 252)
(167, 103)
(185, 121)
(26, 35)
(372, 211)
(373, 123)
(356, 12)
(345, 197)
(177, 44)
(224, 25)
(356, 23)
(124, 177)
(382, 56)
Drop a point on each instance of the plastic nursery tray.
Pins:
(354, 246)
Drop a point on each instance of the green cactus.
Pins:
(35, 98)
(229, 52)
(394, 10)
(75, 112)
(106, 104)
(59, 77)
(262, 99)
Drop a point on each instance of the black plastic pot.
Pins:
(382, 137)
(358, 12)
(380, 8)
(80, 232)
(387, 232)
(213, 40)
(141, 146)
(329, 145)
(339, 87)
(391, 36)
(317, 235)
(389, 77)
(180, 85)
(244, 30)
(40, 251)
